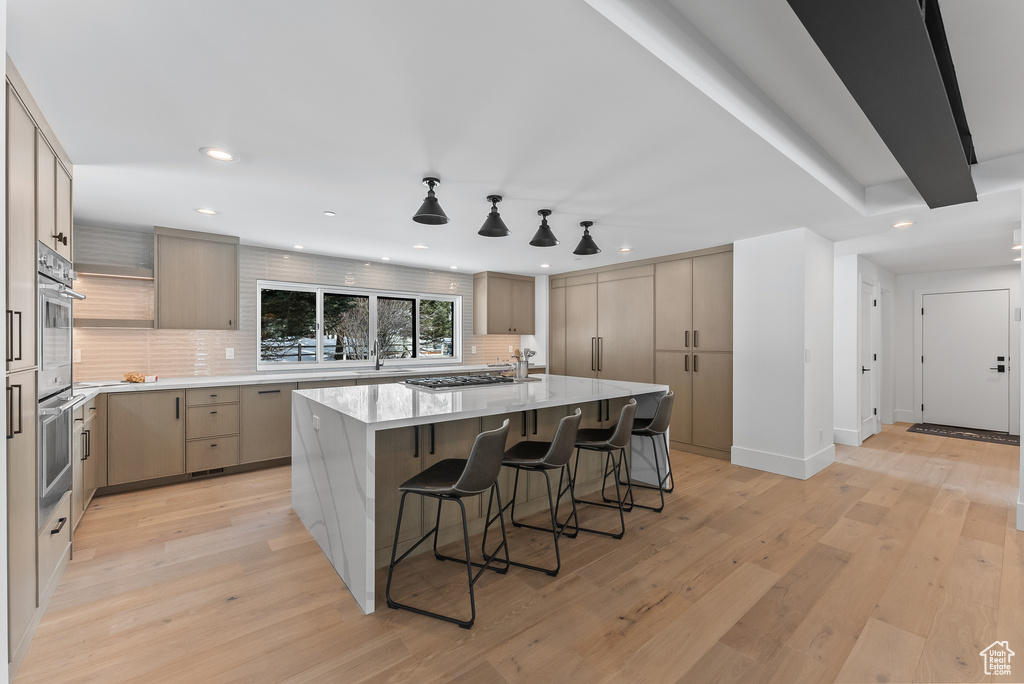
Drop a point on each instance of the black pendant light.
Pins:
(544, 237)
(587, 245)
(430, 211)
(493, 225)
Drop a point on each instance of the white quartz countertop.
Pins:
(400, 405)
(271, 377)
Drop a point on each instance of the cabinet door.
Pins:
(712, 400)
(95, 475)
(62, 208)
(396, 461)
(556, 331)
(625, 329)
(21, 506)
(499, 305)
(673, 304)
(712, 302)
(521, 307)
(516, 434)
(77, 476)
(591, 463)
(674, 369)
(541, 427)
(196, 284)
(581, 330)
(46, 206)
(145, 435)
(21, 236)
(266, 426)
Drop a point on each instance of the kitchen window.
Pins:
(310, 326)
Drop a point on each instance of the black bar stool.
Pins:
(542, 457)
(451, 480)
(652, 427)
(609, 441)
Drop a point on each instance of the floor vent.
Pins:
(205, 473)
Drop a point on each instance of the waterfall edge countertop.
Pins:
(334, 450)
(400, 405)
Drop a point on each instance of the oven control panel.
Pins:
(53, 265)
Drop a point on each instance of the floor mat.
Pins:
(965, 433)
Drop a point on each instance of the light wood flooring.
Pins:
(898, 563)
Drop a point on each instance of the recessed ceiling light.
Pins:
(218, 154)
(454, 268)
(207, 212)
(625, 249)
(420, 247)
(329, 213)
(545, 265)
(287, 257)
(298, 247)
(903, 224)
(385, 258)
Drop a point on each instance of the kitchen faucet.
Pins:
(377, 363)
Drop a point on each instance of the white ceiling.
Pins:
(345, 106)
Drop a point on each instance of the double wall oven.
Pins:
(55, 397)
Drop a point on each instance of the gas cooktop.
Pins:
(458, 381)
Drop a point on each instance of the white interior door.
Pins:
(866, 351)
(965, 343)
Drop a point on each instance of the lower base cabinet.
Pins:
(53, 549)
(145, 435)
(266, 422)
(22, 531)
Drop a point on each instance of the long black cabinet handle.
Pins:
(534, 421)
(524, 424)
(87, 436)
(60, 525)
(10, 335)
(593, 353)
(20, 336)
(600, 353)
(694, 363)
(416, 441)
(607, 409)
(177, 408)
(431, 438)
(269, 392)
(20, 412)
(687, 342)
(694, 339)
(686, 362)
(10, 412)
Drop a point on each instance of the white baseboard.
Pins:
(780, 464)
(907, 416)
(846, 437)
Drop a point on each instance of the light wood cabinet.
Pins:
(46, 190)
(266, 427)
(21, 236)
(397, 458)
(62, 241)
(503, 304)
(77, 470)
(625, 329)
(196, 280)
(211, 453)
(145, 435)
(211, 428)
(450, 439)
(645, 323)
(22, 490)
(53, 546)
(94, 473)
(712, 302)
(712, 400)
(581, 330)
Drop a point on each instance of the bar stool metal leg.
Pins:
(612, 467)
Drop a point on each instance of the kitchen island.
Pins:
(352, 446)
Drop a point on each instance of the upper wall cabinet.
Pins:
(693, 303)
(53, 199)
(196, 280)
(21, 235)
(503, 304)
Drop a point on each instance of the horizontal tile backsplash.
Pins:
(109, 353)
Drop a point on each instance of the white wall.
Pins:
(539, 340)
(907, 331)
(782, 305)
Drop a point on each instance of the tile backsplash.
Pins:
(109, 353)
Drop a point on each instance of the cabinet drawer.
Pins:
(210, 421)
(211, 395)
(216, 452)
(54, 545)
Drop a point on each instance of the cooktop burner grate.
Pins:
(458, 381)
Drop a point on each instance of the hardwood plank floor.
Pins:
(899, 562)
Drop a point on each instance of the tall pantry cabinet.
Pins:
(38, 187)
(666, 320)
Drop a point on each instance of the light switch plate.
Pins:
(472, 349)
(76, 356)
(229, 352)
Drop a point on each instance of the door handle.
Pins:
(87, 437)
(10, 412)
(177, 408)
(694, 339)
(600, 352)
(60, 526)
(864, 370)
(686, 362)
(10, 335)
(687, 342)
(694, 363)
(1001, 368)
(21, 337)
(593, 353)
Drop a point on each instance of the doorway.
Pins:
(965, 342)
(867, 353)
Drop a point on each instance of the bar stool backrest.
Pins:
(484, 462)
(624, 428)
(662, 416)
(564, 442)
